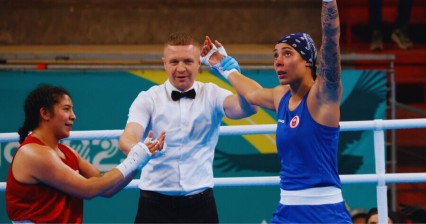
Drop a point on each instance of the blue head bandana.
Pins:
(303, 44)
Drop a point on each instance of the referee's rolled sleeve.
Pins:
(140, 110)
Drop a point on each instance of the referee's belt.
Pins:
(204, 195)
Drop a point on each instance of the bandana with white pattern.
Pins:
(302, 43)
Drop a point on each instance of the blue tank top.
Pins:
(307, 149)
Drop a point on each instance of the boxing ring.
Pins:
(377, 126)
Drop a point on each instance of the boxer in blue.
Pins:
(308, 112)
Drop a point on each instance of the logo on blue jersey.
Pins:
(294, 122)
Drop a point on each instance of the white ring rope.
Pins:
(390, 178)
(378, 126)
(246, 129)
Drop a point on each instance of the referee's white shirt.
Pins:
(192, 132)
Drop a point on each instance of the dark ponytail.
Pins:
(23, 133)
(314, 72)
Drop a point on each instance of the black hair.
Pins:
(314, 72)
(44, 96)
(391, 214)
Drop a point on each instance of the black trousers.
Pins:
(158, 208)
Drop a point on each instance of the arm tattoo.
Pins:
(330, 68)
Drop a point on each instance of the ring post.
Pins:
(379, 154)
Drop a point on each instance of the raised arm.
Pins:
(236, 107)
(247, 88)
(329, 80)
(325, 95)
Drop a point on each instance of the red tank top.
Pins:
(40, 202)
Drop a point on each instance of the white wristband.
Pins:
(227, 73)
(137, 158)
(327, 0)
(219, 69)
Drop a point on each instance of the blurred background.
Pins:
(106, 51)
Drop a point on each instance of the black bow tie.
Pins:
(176, 95)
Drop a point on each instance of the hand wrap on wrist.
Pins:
(205, 59)
(137, 158)
(227, 66)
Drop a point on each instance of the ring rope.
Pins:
(390, 178)
(378, 126)
(246, 129)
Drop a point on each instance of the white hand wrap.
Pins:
(137, 158)
(222, 51)
(205, 59)
(226, 73)
(227, 66)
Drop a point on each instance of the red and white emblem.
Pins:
(294, 122)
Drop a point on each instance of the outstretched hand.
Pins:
(141, 153)
(157, 145)
(212, 54)
(215, 56)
